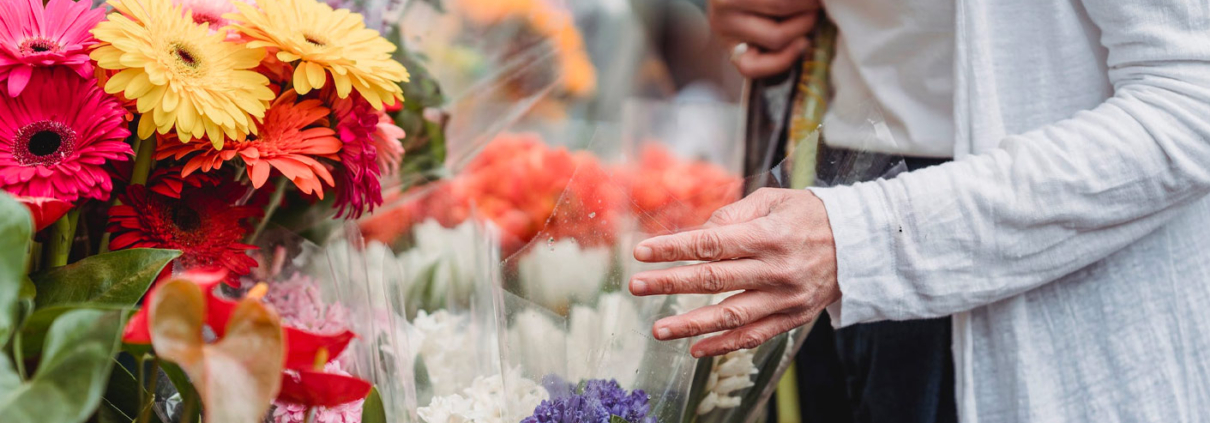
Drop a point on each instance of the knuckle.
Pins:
(750, 340)
(693, 328)
(708, 246)
(711, 279)
(732, 317)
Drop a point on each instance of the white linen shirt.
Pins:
(1071, 239)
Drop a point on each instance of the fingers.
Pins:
(769, 34)
(752, 207)
(756, 63)
(706, 278)
(711, 244)
(731, 313)
(750, 336)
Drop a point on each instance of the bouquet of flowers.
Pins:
(154, 144)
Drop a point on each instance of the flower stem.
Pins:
(143, 161)
(19, 356)
(61, 236)
(310, 416)
(145, 410)
(279, 191)
(189, 408)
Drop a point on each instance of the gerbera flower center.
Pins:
(315, 40)
(38, 45)
(185, 56)
(185, 218)
(44, 143)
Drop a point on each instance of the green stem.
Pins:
(35, 256)
(274, 201)
(788, 409)
(140, 376)
(143, 161)
(309, 417)
(189, 409)
(104, 243)
(145, 410)
(62, 233)
(19, 355)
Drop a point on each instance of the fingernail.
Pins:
(643, 253)
(696, 353)
(638, 287)
(662, 333)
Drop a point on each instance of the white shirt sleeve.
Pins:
(1047, 202)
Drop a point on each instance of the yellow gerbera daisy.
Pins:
(181, 75)
(324, 40)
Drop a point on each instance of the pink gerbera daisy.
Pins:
(210, 12)
(57, 135)
(33, 35)
(388, 140)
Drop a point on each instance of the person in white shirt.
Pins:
(1068, 239)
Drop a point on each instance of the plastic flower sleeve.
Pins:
(494, 61)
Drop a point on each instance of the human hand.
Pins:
(774, 32)
(776, 246)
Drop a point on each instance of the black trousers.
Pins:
(884, 372)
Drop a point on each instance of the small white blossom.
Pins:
(491, 399)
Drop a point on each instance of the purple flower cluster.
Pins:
(596, 403)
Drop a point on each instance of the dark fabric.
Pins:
(884, 372)
(899, 371)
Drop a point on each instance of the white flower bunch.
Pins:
(491, 399)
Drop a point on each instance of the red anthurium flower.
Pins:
(45, 210)
(303, 382)
(137, 331)
(319, 389)
(303, 347)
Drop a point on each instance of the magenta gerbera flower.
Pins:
(358, 189)
(34, 36)
(57, 135)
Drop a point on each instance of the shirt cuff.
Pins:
(865, 234)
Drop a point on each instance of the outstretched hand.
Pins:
(775, 245)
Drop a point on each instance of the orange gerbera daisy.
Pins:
(291, 139)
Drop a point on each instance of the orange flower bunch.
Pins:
(530, 190)
(669, 194)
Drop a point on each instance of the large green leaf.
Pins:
(35, 328)
(73, 372)
(118, 278)
(16, 227)
(372, 410)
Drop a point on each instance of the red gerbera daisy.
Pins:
(205, 224)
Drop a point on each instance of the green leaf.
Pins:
(28, 291)
(118, 278)
(372, 410)
(617, 419)
(35, 328)
(16, 227)
(697, 390)
(73, 373)
(121, 395)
